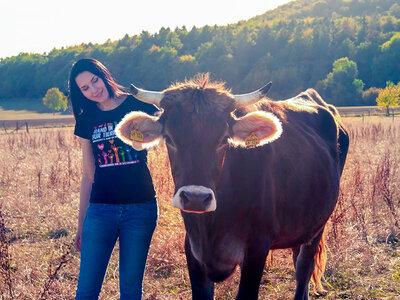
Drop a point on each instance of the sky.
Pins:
(38, 26)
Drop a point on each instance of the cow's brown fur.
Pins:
(199, 91)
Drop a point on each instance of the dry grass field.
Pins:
(39, 188)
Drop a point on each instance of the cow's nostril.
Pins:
(208, 200)
(184, 198)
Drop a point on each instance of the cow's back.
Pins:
(296, 177)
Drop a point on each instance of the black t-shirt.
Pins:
(121, 175)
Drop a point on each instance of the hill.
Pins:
(294, 45)
(301, 9)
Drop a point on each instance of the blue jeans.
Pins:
(134, 225)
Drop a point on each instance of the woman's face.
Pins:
(92, 87)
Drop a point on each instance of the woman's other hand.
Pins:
(78, 240)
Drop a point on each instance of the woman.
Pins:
(117, 198)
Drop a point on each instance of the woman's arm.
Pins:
(88, 167)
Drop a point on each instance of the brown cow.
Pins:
(249, 176)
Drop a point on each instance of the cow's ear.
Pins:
(256, 129)
(139, 130)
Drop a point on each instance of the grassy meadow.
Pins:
(39, 195)
(27, 108)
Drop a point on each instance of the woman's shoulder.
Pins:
(82, 125)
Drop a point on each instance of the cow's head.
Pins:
(198, 126)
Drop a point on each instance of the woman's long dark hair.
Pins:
(80, 104)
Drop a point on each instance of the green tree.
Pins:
(395, 10)
(389, 96)
(387, 64)
(341, 86)
(55, 100)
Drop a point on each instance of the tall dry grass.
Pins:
(39, 195)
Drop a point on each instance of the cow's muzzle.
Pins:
(195, 199)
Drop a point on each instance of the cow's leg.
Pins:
(295, 254)
(251, 273)
(305, 266)
(202, 287)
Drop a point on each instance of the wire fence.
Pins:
(358, 111)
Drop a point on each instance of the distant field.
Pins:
(19, 105)
(17, 112)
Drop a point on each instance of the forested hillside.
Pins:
(341, 47)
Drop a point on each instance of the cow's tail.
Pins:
(320, 263)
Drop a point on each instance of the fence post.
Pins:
(17, 128)
(5, 128)
(27, 129)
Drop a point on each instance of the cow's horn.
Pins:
(251, 98)
(147, 96)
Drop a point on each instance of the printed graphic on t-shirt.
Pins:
(109, 150)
